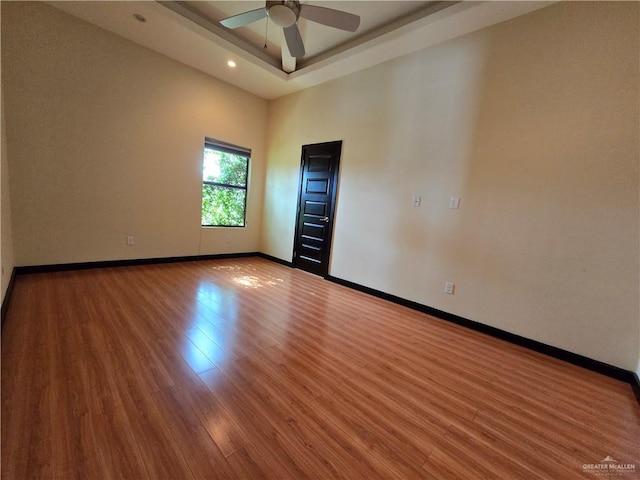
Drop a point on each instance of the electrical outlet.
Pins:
(449, 288)
(454, 202)
(130, 240)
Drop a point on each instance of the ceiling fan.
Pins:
(286, 13)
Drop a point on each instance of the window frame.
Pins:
(243, 152)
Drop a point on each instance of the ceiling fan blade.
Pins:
(330, 17)
(294, 41)
(245, 18)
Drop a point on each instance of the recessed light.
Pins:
(231, 64)
(139, 17)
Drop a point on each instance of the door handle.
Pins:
(325, 219)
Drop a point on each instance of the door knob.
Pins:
(325, 219)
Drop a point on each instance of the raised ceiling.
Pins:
(190, 33)
(318, 39)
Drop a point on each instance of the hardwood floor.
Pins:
(247, 369)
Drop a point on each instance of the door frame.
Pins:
(332, 209)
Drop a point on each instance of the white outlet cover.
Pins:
(454, 202)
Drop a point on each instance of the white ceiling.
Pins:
(189, 32)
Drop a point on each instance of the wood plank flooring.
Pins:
(247, 369)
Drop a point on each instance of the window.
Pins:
(224, 184)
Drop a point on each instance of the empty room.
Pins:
(320, 239)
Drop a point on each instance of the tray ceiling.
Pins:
(190, 33)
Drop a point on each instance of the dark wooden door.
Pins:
(316, 206)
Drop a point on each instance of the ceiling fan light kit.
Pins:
(283, 14)
(286, 14)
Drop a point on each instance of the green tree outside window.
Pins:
(224, 187)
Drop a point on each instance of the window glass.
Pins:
(224, 186)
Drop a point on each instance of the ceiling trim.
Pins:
(228, 40)
(182, 34)
(439, 24)
(384, 30)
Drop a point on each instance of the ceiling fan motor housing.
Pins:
(283, 13)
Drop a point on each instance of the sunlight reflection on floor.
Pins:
(211, 340)
(255, 282)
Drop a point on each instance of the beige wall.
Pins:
(6, 236)
(106, 141)
(534, 124)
